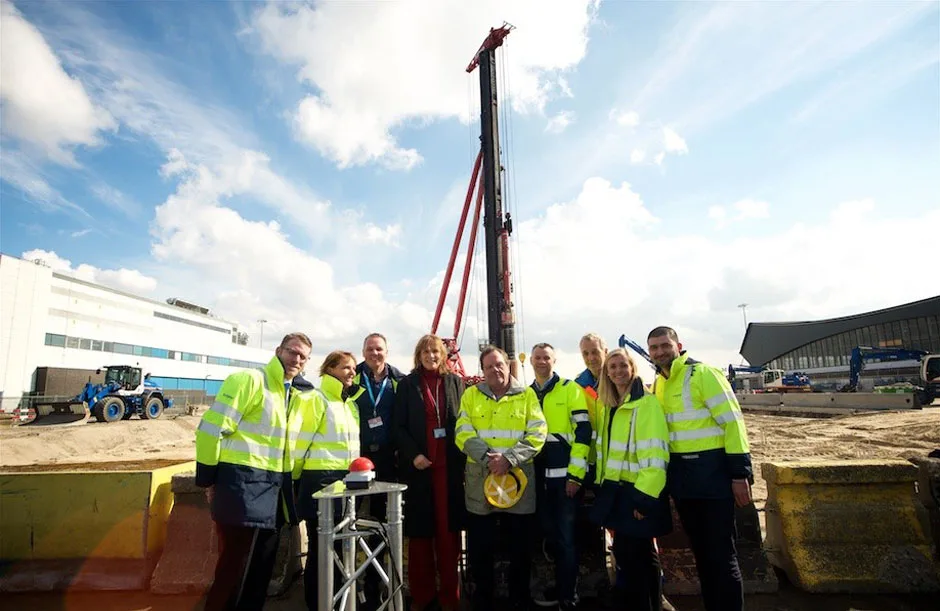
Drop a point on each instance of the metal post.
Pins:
(261, 321)
(394, 526)
(325, 554)
(349, 556)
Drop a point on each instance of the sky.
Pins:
(306, 163)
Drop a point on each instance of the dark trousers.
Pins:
(709, 524)
(557, 513)
(638, 560)
(484, 535)
(244, 569)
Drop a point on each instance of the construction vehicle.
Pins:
(761, 379)
(626, 342)
(926, 392)
(124, 393)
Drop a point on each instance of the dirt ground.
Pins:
(107, 446)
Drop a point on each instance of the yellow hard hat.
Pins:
(504, 491)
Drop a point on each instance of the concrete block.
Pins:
(868, 401)
(928, 489)
(809, 399)
(84, 529)
(758, 399)
(678, 562)
(848, 526)
(187, 565)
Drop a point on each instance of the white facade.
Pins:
(50, 319)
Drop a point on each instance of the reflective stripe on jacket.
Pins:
(512, 425)
(245, 443)
(588, 383)
(569, 429)
(333, 442)
(706, 430)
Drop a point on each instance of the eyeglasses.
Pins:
(295, 354)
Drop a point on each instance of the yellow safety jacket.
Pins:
(333, 434)
(512, 425)
(569, 430)
(632, 460)
(707, 436)
(245, 445)
(588, 382)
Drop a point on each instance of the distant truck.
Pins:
(759, 379)
(125, 392)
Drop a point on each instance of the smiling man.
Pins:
(244, 458)
(709, 466)
(561, 468)
(379, 383)
(499, 426)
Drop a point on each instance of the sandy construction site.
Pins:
(773, 438)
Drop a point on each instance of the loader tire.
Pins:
(110, 409)
(153, 409)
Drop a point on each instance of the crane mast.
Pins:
(497, 226)
(485, 182)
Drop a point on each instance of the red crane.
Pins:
(497, 226)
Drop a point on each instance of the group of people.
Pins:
(272, 439)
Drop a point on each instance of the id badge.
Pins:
(440, 433)
(375, 422)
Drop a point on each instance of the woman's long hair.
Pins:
(606, 389)
(431, 341)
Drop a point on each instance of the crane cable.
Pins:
(509, 192)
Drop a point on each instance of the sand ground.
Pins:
(773, 438)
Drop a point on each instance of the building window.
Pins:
(189, 356)
(96, 345)
(71, 342)
(53, 339)
(123, 348)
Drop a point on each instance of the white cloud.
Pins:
(627, 118)
(115, 199)
(644, 276)
(673, 142)
(369, 88)
(124, 279)
(659, 158)
(637, 156)
(560, 122)
(740, 210)
(21, 172)
(733, 54)
(43, 106)
(80, 233)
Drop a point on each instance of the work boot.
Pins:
(547, 598)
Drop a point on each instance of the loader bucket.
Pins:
(52, 414)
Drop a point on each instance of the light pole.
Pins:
(743, 307)
(261, 321)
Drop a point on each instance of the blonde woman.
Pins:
(335, 444)
(632, 456)
(431, 465)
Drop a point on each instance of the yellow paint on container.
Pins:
(848, 526)
(82, 515)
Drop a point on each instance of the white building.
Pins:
(51, 319)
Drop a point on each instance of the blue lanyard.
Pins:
(372, 397)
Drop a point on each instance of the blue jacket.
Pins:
(376, 438)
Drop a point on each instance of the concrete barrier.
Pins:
(187, 565)
(928, 488)
(678, 563)
(872, 401)
(848, 526)
(96, 527)
(758, 399)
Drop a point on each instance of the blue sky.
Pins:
(306, 163)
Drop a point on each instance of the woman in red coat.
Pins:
(430, 464)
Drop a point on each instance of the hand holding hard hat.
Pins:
(504, 491)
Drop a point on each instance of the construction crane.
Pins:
(485, 181)
(929, 388)
(626, 342)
